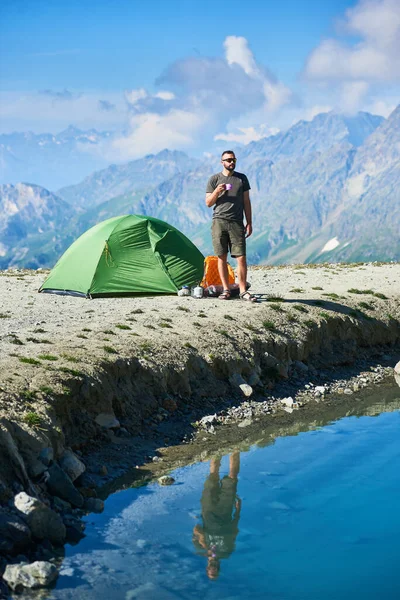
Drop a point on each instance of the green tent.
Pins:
(131, 255)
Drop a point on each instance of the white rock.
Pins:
(397, 368)
(319, 390)
(288, 401)
(35, 575)
(288, 409)
(246, 389)
(41, 520)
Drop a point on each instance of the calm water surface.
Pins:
(313, 516)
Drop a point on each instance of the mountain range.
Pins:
(324, 190)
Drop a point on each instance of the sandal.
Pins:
(247, 297)
(226, 295)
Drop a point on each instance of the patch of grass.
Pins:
(28, 395)
(137, 311)
(292, 318)
(201, 315)
(381, 296)
(15, 340)
(196, 324)
(389, 316)
(332, 296)
(86, 329)
(109, 350)
(211, 356)
(48, 391)
(277, 308)
(268, 325)
(72, 372)
(82, 336)
(109, 332)
(317, 287)
(5, 316)
(39, 330)
(166, 319)
(223, 332)
(251, 327)
(229, 318)
(300, 308)
(356, 291)
(122, 326)
(34, 340)
(182, 308)
(70, 358)
(297, 290)
(165, 325)
(32, 419)
(29, 361)
(189, 345)
(146, 347)
(132, 319)
(325, 315)
(89, 311)
(309, 323)
(134, 333)
(149, 326)
(366, 305)
(275, 299)
(47, 357)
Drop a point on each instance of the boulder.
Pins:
(43, 522)
(59, 484)
(71, 465)
(15, 534)
(108, 421)
(166, 480)
(94, 505)
(35, 575)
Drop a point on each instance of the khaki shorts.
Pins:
(228, 236)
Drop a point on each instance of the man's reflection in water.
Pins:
(220, 513)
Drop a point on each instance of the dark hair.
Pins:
(227, 152)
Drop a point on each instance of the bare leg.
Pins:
(223, 270)
(215, 464)
(234, 464)
(242, 272)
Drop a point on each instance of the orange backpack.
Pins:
(211, 275)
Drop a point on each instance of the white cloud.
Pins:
(352, 95)
(208, 94)
(151, 132)
(238, 52)
(54, 111)
(245, 135)
(375, 57)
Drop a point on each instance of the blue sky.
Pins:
(186, 73)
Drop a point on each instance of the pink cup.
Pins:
(228, 186)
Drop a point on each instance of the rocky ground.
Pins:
(90, 389)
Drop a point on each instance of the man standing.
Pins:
(228, 193)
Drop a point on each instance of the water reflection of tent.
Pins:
(130, 254)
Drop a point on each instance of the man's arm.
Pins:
(198, 533)
(212, 197)
(247, 213)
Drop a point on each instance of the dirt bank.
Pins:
(103, 375)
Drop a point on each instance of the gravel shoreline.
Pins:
(90, 389)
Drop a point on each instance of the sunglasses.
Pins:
(229, 160)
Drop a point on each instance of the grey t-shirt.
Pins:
(230, 205)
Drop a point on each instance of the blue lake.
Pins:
(313, 516)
